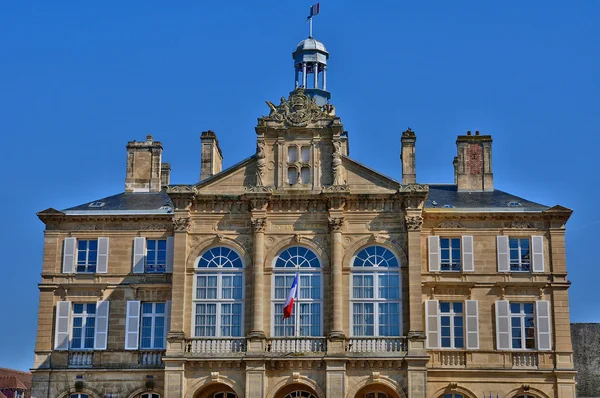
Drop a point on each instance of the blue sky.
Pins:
(80, 79)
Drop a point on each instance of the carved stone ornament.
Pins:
(181, 189)
(336, 164)
(414, 223)
(450, 224)
(297, 111)
(259, 204)
(413, 188)
(336, 188)
(259, 189)
(336, 223)
(520, 225)
(181, 224)
(259, 224)
(261, 163)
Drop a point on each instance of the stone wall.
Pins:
(586, 353)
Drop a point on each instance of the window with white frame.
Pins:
(219, 294)
(153, 328)
(87, 255)
(520, 254)
(450, 254)
(452, 324)
(306, 319)
(156, 256)
(83, 326)
(522, 324)
(376, 293)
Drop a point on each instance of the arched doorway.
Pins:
(376, 391)
(296, 391)
(216, 390)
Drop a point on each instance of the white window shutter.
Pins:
(102, 265)
(542, 313)
(139, 254)
(167, 319)
(170, 253)
(70, 244)
(503, 259)
(101, 333)
(132, 325)
(434, 253)
(432, 323)
(472, 329)
(61, 329)
(467, 254)
(502, 325)
(537, 246)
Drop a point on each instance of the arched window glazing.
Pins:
(219, 294)
(306, 319)
(376, 293)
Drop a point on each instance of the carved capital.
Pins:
(413, 223)
(181, 224)
(259, 204)
(336, 203)
(336, 223)
(259, 224)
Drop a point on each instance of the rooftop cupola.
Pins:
(310, 69)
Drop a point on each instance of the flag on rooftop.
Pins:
(314, 10)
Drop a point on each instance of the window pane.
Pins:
(292, 154)
(389, 319)
(292, 175)
(305, 154)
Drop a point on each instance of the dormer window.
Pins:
(96, 204)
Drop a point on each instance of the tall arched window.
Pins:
(306, 319)
(219, 294)
(376, 293)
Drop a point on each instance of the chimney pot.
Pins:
(408, 157)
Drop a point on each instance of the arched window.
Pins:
(300, 394)
(306, 319)
(219, 294)
(376, 293)
(454, 395)
(79, 396)
(149, 395)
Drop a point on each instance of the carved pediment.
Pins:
(299, 110)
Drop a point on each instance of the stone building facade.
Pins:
(405, 289)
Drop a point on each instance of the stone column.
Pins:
(258, 226)
(304, 75)
(316, 71)
(335, 226)
(325, 77)
(176, 336)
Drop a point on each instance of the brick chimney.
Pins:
(408, 157)
(211, 157)
(473, 164)
(143, 166)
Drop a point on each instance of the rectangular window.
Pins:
(389, 319)
(305, 154)
(522, 322)
(520, 255)
(292, 175)
(363, 319)
(219, 305)
(292, 154)
(87, 255)
(153, 326)
(450, 254)
(306, 315)
(452, 326)
(83, 326)
(156, 255)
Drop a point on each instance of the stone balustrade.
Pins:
(525, 359)
(150, 358)
(81, 359)
(377, 344)
(296, 344)
(225, 346)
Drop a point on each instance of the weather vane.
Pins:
(314, 10)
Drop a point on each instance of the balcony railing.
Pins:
(452, 358)
(297, 344)
(81, 359)
(215, 346)
(525, 359)
(150, 358)
(377, 344)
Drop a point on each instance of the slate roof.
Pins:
(447, 197)
(126, 203)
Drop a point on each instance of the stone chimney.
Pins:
(143, 166)
(211, 158)
(165, 174)
(408, 157)
(473, 164)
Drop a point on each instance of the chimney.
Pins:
(143, 166)
(211, 158)
(165, 174)
(473, 164)
(408, 157)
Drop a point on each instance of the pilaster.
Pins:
(336, 223)
(255, 379)
(174, 379)
(335, 382)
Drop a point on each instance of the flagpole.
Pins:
(310, 27)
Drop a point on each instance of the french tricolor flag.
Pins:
(314, 10)
(289, 303)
